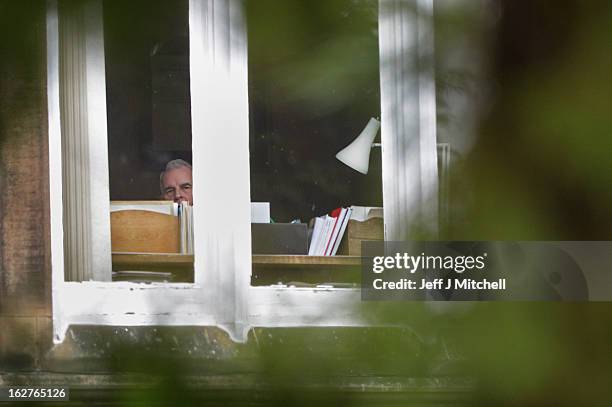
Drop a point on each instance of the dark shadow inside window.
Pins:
(148, 99)
(313, 86)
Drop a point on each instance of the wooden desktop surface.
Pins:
(186, 260)
(267, 269)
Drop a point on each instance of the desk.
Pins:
(267, 269)
(305, 270)
(153, 267)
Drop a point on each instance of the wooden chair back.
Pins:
(144, 232)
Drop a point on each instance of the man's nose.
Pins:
(177, 194)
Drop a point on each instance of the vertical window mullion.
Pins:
(220, 128)
(408, 133)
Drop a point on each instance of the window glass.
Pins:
(149, 125)
(313, 87)
(147, 82)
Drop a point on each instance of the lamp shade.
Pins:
(357, 154)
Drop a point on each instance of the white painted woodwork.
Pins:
(220, 128)
(82, 94)
(55, 169)
(408, 134)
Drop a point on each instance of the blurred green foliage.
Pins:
(540, 169)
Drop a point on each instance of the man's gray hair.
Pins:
(172, 165)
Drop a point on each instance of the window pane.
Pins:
(313, 87)
(147, 82)
(149, 125)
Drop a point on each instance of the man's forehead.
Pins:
(180, 174)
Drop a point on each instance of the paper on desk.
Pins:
(363, 213)
(165, 207)
(260, 212)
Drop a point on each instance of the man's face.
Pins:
(178, 185)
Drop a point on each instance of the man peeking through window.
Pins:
(176, 182)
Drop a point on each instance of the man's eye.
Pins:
(169, 191)
(187, 186)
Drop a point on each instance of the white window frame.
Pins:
(221, 294)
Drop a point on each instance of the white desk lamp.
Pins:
(357, 154)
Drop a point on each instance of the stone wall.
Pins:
(25, 278)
